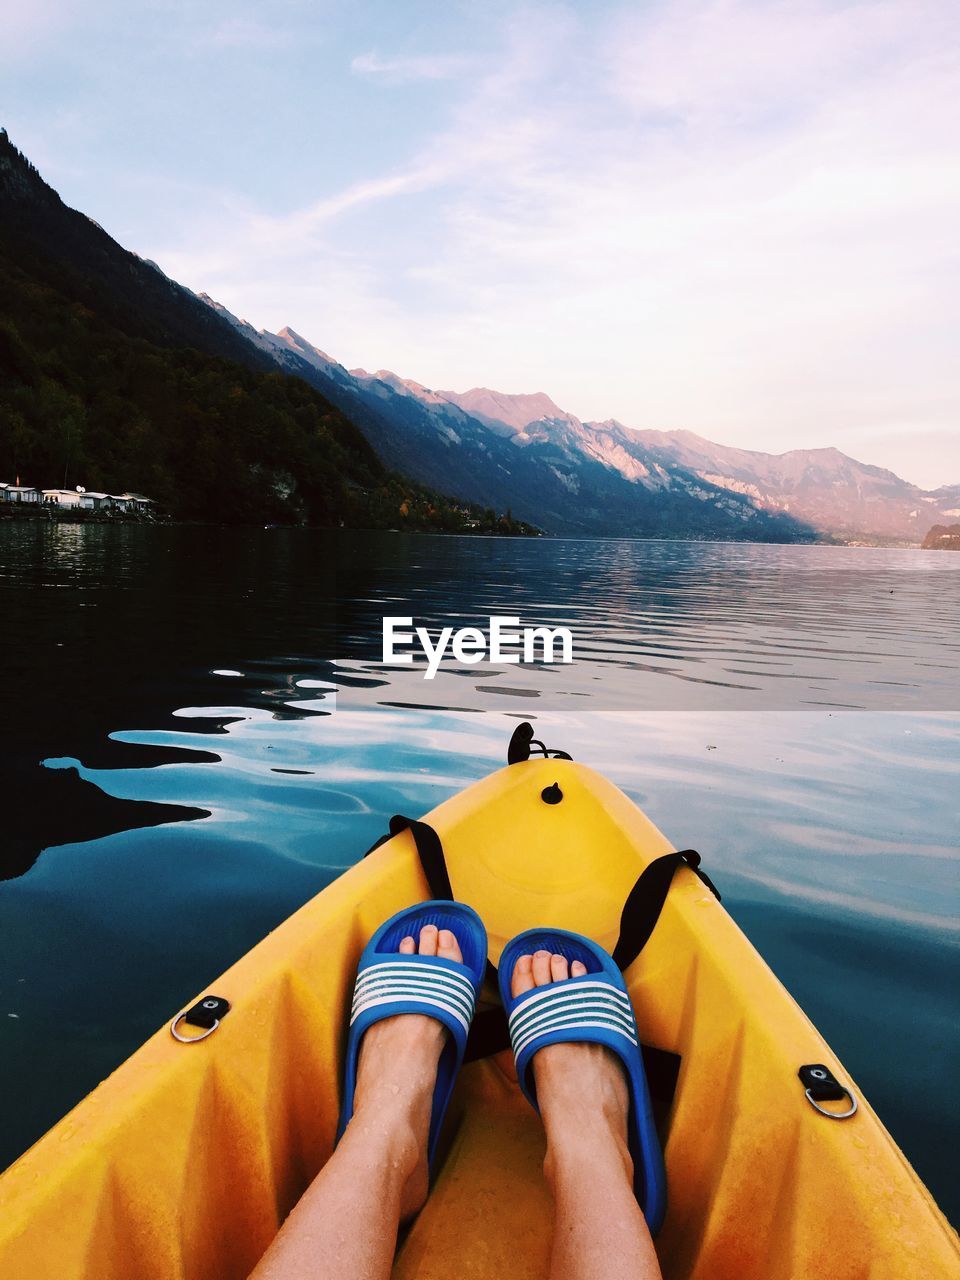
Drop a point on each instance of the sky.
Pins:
(737, 217)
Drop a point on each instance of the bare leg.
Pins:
(599, 1231)
(345, 1225)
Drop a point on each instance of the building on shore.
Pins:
(91, 501)
(130, 501)
(61, 497)
(77, 499)
(19, 493)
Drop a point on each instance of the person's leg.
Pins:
(599, 1230)
(345, 1225)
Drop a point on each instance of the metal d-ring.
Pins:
(191, 1039)
(834, 1115)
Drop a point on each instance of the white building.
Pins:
(90, 501)
(130, 501)
(61, 497)
(86, 500)
(18, 493)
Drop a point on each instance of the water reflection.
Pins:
(784, 709)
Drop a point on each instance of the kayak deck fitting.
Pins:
(183, 1163)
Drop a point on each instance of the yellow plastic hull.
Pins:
(182, 1165)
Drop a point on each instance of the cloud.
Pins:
(417, 178)
(399, 70)
(728, 215)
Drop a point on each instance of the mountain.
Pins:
(62, 248)
(948, 498)
(826, 488)
(113, 375)
(526, 453)
(402, 426)
(117, 376)
(508, 414)
(553, 470)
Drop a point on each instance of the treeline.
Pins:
(114, 377)
(82, 403)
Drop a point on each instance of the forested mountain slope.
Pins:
(117, 378)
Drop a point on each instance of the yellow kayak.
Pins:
(183, 1164)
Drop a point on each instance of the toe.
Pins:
(541, 968)
(407, 947)
(448, 947)
(522, 979)
(429, 935)
(577, 969)
(559, 970)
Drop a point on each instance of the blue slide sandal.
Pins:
(389, 984)
(593, 1008)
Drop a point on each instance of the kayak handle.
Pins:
(523, 744)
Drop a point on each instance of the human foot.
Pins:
(396, 1076)
(581, 1088)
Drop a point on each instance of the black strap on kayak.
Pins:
(641, 911)
(430, 852)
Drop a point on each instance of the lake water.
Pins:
(199, 734)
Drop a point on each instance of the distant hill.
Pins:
(943, 538)
(116, 377)
(948, 495)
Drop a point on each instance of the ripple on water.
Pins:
(831, 832)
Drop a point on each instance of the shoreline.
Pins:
(17, 513)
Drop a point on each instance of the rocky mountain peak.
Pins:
(511, 410)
